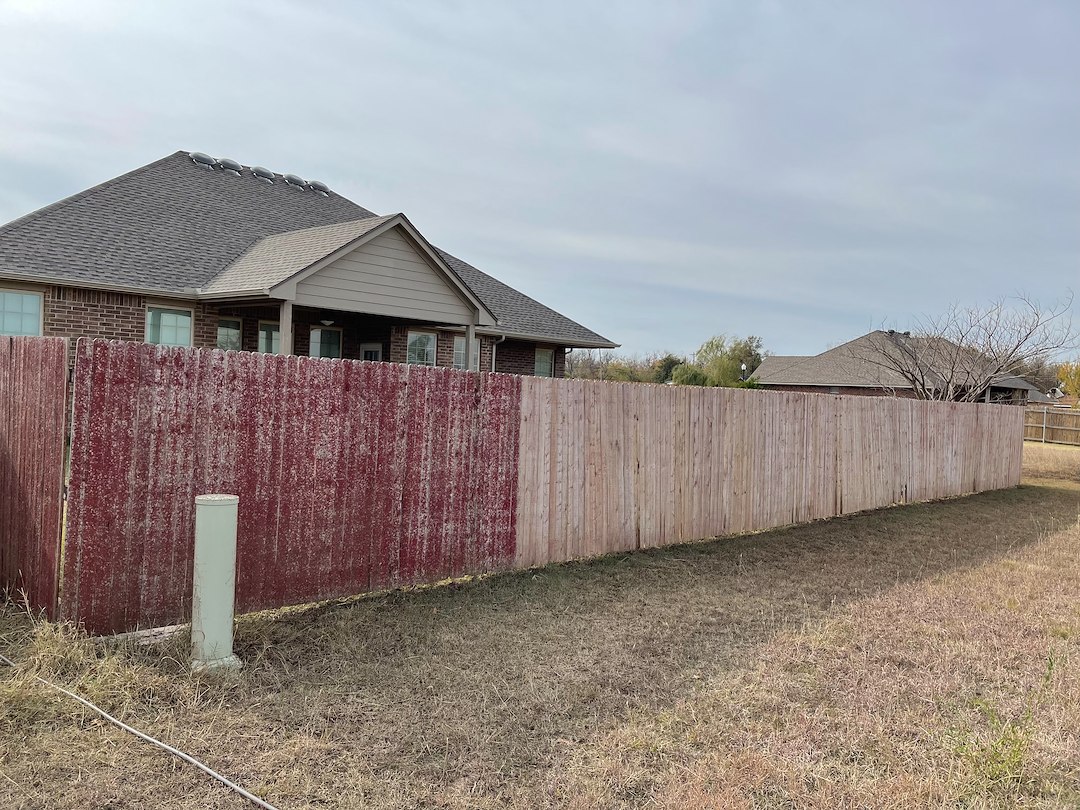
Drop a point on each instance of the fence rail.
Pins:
(1052, 425)
(358, 476)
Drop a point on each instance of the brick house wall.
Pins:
(519, 357)
(75, 312)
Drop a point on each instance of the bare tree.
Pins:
(962, 354)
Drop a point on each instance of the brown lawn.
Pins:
(924, 656)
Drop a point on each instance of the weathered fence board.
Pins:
(33, 380)
(655, 465)
(364, 476)
(352, 477)
(1053, 425)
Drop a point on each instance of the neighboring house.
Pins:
(192, 251)
(857, 367)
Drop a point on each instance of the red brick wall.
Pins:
(74, 312)
(444, 351)
(519, 357)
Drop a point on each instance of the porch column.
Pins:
(285, 327)
(470, 349)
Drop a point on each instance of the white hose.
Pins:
(175, 752)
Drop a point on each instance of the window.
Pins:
(421, 349)
(20, 313)
(544, 365)
(459, 353)
(168, 327)
(229, 333)
(371, 351)
(269, 337)
(325, 342)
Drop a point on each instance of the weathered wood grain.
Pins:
(33, 386)
(656, 465)
(352, 476)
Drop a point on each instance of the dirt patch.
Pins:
(873, 660)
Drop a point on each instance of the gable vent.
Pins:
(293, 180)
(230, 165)
(265, 175)
(202, 160)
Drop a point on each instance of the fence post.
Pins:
(1044, 425)
(214, 583)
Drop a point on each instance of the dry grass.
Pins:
(922, 656)
(1057, 461)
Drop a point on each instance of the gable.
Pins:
(386, 275)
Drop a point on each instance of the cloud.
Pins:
(661, 173)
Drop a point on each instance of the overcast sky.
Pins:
(661, 172)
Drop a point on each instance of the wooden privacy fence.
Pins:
(1054, 425)
(358, 476)
(609, 467)
(33, 381)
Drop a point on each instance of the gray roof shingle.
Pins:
(275, 258)
(172, 227)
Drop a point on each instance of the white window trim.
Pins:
(258, 336)
(41, 306)
(341, 340)
(453, 359)
(536, 357)
(367, 347)
(476, 358)
(408, 339)
(232, 318)
(173, 307)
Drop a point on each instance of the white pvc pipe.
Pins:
(214, 582)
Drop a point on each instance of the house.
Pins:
(861, 367)
(195, 251)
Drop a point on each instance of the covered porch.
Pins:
(287, 328)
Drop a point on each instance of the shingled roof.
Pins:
(172, 227)
(859, 363)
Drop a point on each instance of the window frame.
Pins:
(464, 361)
(372, 346)
(240, 321)
(434, 349)
(536, 362)
(320, 328)
(41, 308)
(151, 305)
(258, 338)
(476, 356)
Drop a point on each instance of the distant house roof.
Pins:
(775, 363)
(856, 364)
(173, 228)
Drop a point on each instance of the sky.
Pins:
(661, 172)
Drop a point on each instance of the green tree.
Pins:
(663, 366)
(719, 362)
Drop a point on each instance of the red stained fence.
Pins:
(356, 477)
(352, 477)
(33, 380)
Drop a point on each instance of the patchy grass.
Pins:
(1057, 461)
(921, 656)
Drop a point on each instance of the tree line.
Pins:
(722, 360)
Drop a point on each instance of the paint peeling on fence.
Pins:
(358, 476)
(33, 385)
(352, 477)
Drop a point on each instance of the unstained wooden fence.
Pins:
(357, 476)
